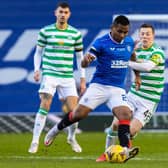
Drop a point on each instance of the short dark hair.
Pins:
(63, 5)
(147, 25)
(121, 19)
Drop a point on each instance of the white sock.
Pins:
(111, 138)
(54, 130)
(38, 126)
(72, 131)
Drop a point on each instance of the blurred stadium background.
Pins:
(19, 25)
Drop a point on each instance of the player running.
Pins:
(113, 51)
(150, 61)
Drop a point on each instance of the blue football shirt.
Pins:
(112, 60)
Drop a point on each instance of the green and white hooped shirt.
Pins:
(152, 82)
(59, 47)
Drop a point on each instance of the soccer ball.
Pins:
(114, 154)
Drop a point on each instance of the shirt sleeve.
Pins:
(37, 58)
(79, 42)
(146, 66)
(41, 40)
(95, 48)
(79, 59)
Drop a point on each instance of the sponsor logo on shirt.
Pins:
(119, 64)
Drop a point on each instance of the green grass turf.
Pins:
(13, 152)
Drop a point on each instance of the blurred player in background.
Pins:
(55, 46)
(150, 61)
(113, 51)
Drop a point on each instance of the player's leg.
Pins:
(47, 91)
(124, 132)
(111, 138)
(68, 95)
(142, 114)
(123, 112)
(71, 102)
(121, 109)
(72, 131)
(65, 110)
(40, 121)
(135, 127)
(89, 101)
(141, 117)
(112, 133)
(69, 119)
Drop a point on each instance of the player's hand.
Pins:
(90, 57)
(37, 76)
(133, 57)
(137, 82)
(87, 60)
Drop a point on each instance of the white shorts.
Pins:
(98, 94)
(143, 109)
(64, 86)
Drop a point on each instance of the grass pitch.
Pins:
(13, 152)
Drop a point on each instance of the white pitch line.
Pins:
(48, 157)
(73, 158)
